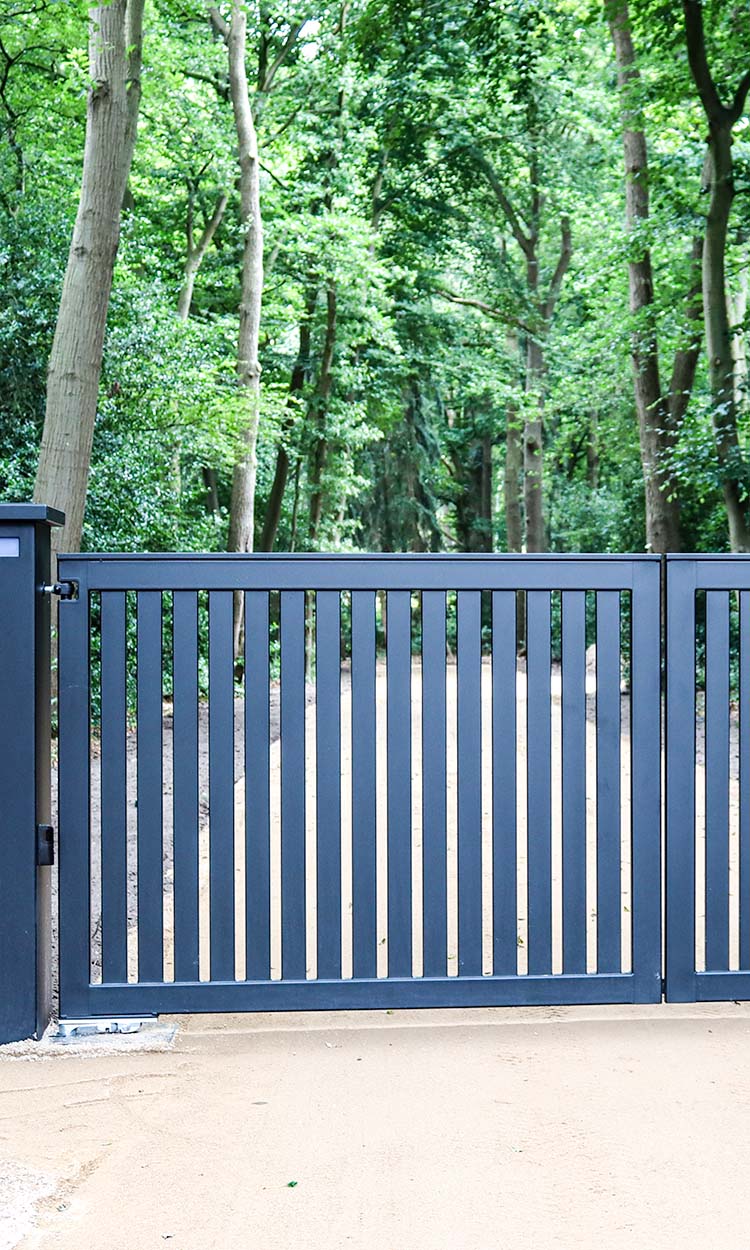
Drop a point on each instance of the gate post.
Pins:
(25, 913)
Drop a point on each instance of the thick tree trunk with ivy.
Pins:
(719, 184)
(75, 361)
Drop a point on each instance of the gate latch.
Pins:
(45, 845)
(64, 590)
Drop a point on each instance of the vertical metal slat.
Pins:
(398, 644)
(257, 788)
(608, 930)
(114, 788)
(185, 784)
(293, 909)
(539, 781)
(680, 782)
(717, 780)
(221, 782)
(645, 774)
(744, 779)
(434, 864)
(469, 750)
(150, 787)
(328, 781)
(504, 786)
(364, 864)
(574, 780)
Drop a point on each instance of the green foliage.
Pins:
(377, 133)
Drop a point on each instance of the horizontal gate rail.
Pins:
(262, 571)
(708, 778)
(426, 781)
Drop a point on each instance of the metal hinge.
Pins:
(64, 590)
(45, 845)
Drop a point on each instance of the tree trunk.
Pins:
(660, 486)
(533, 451)
(319, 406)
(242, 506)
(592, 452)
(720, 185)
(300, 375)
(486, 494)
(737, 301)
(512, 480)
(75, 363)
(721, 363)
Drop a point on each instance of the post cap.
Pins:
(16, 513)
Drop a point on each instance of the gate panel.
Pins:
(708, 778)
(427, 737)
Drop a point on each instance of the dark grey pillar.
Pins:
(24, 767)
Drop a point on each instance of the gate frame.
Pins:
(686, 574)
(638, 574)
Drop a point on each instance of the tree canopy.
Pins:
(502, 301)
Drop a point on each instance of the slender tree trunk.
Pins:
(720, 186)
(721, 363)
(212, 489)
(592, 452)
(75, 362)
(242, 507)
(300, 375)
(533, 450)
(512, 480)
(486, 494)
(660, 486)
(319, 406)
(738, 303)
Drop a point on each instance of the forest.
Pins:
(387, 275)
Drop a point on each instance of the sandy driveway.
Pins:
(495, 1130)
(510, 1129)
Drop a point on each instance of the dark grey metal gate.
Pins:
(432, 822)
(708, 778)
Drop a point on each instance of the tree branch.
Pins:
(219, 23)
(212, 225)
(514, 221)
(487, 309)
(265, 86)
(696, 50)
(566, 249)
(220, 86)
(737, 107)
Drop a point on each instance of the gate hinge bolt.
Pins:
(64, 590)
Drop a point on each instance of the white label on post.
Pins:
(9, 546)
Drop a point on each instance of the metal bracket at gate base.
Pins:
(68, 1030)
(64, 590)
